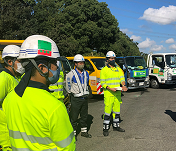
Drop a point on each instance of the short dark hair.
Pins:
(33, 72)
(6, 60)
(34, 69)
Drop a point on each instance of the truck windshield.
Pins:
(135, 62)
(99, 62)
(64, 65)
(171, 60)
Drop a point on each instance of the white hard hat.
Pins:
(110, 54)
(78, 58)
(11, 51)
(38, 45)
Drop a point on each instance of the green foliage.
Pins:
(77, 26)
(89, 23)
(95, 54)
(16, 21)
(144, 55)
(124, 46)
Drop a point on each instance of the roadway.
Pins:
(149, 120)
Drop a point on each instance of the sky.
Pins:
(151, 23)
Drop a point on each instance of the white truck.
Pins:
(162, 69)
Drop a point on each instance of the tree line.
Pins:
(77, 26)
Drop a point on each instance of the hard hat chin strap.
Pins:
(13, 62)
(46, 75)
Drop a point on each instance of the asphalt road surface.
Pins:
(149, 120)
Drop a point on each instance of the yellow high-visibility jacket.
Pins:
(37, 121)
(111, 77)
(7, 83)
(57, 88)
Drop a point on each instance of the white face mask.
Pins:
(20, 68)
(80, 67)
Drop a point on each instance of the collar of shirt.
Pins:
(38, 85)
(82, 73)
(113, 69)
(8, 71)
(110, 67)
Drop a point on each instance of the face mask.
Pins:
(55, 76)
(80, 67)
(112, 62)
(20, 68)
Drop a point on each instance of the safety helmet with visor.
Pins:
(39, 47)
(110, 54)
(12, 52)
(111, 58)
(35, 50)
(79, 61)
(78, 58)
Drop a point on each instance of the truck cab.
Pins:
(162, 69)
(135, 71)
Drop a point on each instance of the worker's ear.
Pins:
(43, 68)
(10, 62)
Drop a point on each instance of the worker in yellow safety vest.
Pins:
(111, 76)
(36, 120)
(57, 88)
(9, 79)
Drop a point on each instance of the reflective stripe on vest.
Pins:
(82, 91)
(32, 139)
(46, 140)
(116, 83)
(56, 90)
(56, 84)
(110, 79)
(64, 143)
(26, 149)
(59, 83)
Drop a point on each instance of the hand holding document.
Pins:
(121, 88)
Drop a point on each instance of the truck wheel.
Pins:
(154, 84)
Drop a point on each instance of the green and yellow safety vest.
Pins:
(111, 77)
(7, 84)
(57, 88)
(37, 121)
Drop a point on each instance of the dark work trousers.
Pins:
(79, 105)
